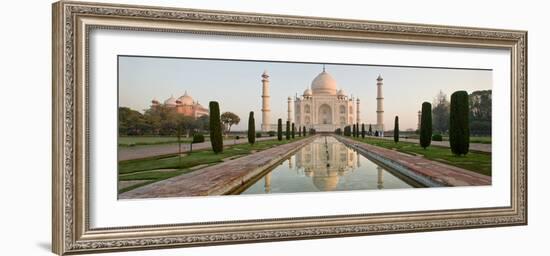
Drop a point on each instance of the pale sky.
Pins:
(237, 86)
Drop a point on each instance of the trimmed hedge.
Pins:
(426, 125)
(251, 128)
(215, 127)
(459, 125)
(396, 130)
(287, 132)
(280, 129)
(347, 131)
(198, 138)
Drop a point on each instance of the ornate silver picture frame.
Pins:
(74, 21)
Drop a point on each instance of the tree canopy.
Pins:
(229, 119)
(440, 113)
(158, 121)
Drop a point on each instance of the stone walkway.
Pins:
(218, 179)
(137, 152)
(441, 173)
(473, 146)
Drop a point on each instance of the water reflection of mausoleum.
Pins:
(326, 163)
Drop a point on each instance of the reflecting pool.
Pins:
(326, 165)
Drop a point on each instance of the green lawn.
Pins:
(481, 139)
(475, 139)
(128, 141)
(158, 168)
(479, 162)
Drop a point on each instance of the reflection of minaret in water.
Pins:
(380, 178)
(358, 162)
(267, 186)
(290, 163)
(326, 148)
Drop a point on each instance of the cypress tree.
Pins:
(363, 130)
(299, 132)
(426, 125)
(459, 125)
(280, 129)
(215, 127)
(396, 130)
(293, 130)
(304, 131)
(251, 128)
(287, 132)
(370, 129)
(354, 131)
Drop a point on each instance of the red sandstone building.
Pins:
(184, 105)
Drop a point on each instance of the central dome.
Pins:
(324, 84)
(186, 99)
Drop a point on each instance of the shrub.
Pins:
(426, 125)
(271, 133)
(198, 138)
(259, 135)
(437, 137)
(338, 131)
(251, 128)
(215, 127)
(280, 129)
(459, 126)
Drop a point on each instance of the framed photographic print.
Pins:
(179, 127)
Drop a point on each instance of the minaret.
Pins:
(266, 115)
(379, 106)
(358, 112)
(419, 119)
(289, 118)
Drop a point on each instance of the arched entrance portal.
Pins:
(325, 114)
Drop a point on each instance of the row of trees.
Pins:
(157, 121)
(479, 114)
(356, 130)
(165, 121)
(459, 123)
(216, 122)
(290, 130)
